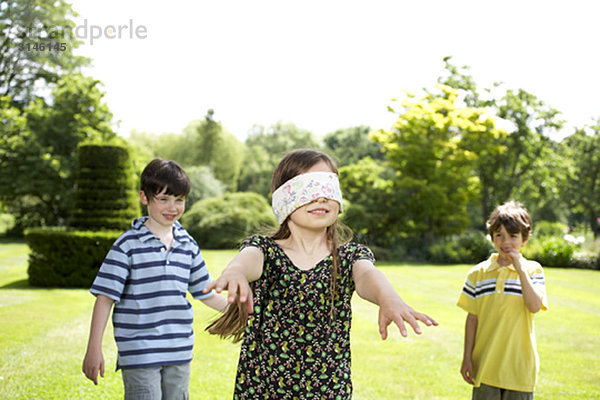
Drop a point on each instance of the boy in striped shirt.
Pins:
(146, 276)
(501, 296)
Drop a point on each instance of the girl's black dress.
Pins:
(296, 345)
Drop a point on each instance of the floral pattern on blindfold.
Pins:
(304, 189)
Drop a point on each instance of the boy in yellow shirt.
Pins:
(501, 296)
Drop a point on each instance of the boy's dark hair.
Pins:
(160, 174)
(513, 216)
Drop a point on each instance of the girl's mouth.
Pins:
(319, 211)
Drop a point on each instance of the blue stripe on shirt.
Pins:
(172, 321)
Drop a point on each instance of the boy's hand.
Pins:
(399, 312)
(466, 370)
(92, 364)
(236, 284)
(515, 258)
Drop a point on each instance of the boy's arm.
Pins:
(216, 302)
(373, 286)
(466, 368)
(532, 299)
(94, 360)
(247, 266)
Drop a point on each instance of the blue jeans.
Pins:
(169, 382)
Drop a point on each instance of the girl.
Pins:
(297, 284)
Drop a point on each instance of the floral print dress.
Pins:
(296, 345)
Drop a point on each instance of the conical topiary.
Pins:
(106, 195)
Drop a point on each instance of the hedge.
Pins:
(66, 258)
(106, 196)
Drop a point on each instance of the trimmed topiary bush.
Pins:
(223, 222)
(65, 258)
(106, 202)
(106, 196)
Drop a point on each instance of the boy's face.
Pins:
(508, 244)
(163, 209)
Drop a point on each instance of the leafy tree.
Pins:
(367, 187)
(205, 142)
(38, 148)
(28, 22)
(223, 222)
(258, 170)
(264, 149)
(522, 163)
(204, 184)
(348, 146)
(582, 191)
(427, 147)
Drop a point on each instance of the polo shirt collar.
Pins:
(144, 234)
(493, 265)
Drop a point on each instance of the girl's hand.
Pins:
(236, 284)
(397, 311)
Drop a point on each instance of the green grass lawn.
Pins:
(43, 335)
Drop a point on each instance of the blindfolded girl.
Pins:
(290, 293)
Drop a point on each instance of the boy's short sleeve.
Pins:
(466, 300)
(536, 274)
(199, 277)
(113, 274)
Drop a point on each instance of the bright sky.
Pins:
(328, 64)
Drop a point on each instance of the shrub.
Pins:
(585, 260)
(66, 258)
(470, 247)
(550, 251)
(223, 222)
(106, 195)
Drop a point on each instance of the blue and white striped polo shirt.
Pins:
(152, 318)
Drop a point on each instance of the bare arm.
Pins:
(247, 266)
(373, 286)
(94, 360)
(532, 299)
(466, 368)
(216, 302)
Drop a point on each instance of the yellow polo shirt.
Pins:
(505, 353)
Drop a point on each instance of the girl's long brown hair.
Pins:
(233, 322)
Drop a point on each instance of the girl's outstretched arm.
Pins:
(247, 266)
(373, 286)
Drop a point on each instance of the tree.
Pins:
(521, 163)
(38, 147)
(25, 23)
(368, 198)
(348, 146)
(582, 191)
(205, 142)
(204, 184)
(265, 147)
(427, 147)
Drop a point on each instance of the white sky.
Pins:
(325, 65)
